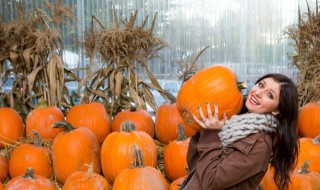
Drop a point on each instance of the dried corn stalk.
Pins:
(124, 49)
(306, 41)
(32, 53)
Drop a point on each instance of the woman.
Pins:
(235, 153)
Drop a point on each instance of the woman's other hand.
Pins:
(212, 122)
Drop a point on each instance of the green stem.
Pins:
(37, 140)
(304, 168)
(128, 126)
(182, 135)
(63, 124)
(137, 162)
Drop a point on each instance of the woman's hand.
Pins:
(212, 122)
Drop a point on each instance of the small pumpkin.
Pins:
(309, 150)
(141, 119)
(93, 115)
(176, 184)
(29, 181)
(140, 177)
(34, 155)
(41, 119)
(214, 84)
(81, 180)
(11, 126)
(73, 149)
(166, 123)
(4, 166)
(116, 153)
(175, 156)
(309, 119)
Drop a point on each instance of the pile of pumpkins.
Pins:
(89, 150)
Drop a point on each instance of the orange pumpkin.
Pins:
(73, 149)
(214, 84)
(4, 166)
(309, 150)
(175, 185)
(175, 156)
(1, 186)
(41, 119)
(29, 181)
(140, 177)
(116, 153)
(81, 180)
(31, 155)
(301, 179)
(91, 115)
(309, 119)
(141, 119)
(166, 123)
(305, 180)
(11, 126)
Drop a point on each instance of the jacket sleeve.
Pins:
(223, 173)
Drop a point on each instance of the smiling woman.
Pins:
(235, 153)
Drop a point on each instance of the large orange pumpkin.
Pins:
(81, 180)
(11, 126)
(166, 123)
(31, 155)
(175, 156)
(309, 150)
(214, 84)
(309, 119)
(73, 149)
(116, 153)
(141, 119)
(41, 119)
(91, 115)
(140, 177)
(29, 181)
(4, 166)
(301, 179)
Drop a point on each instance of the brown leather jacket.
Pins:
(239, 166)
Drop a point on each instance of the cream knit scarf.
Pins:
(240, 126)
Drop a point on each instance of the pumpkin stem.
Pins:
(2, 95)
(128, 126)
(137, 161)
(304, 168)
(133, 107)
(42, 103)
(182, 135)
(63, 124)
(316, 140)
(90, 168)
(37, 140)
(242, 85)
(29, 174)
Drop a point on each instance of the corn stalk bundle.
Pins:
(31, 51)
(125, 50)
(306, 41)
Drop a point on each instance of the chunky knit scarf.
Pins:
(240, 126)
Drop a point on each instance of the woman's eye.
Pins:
(270, 95)
(260, 84)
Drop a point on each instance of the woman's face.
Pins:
(264, 97)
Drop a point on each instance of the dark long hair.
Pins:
(285, 149)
